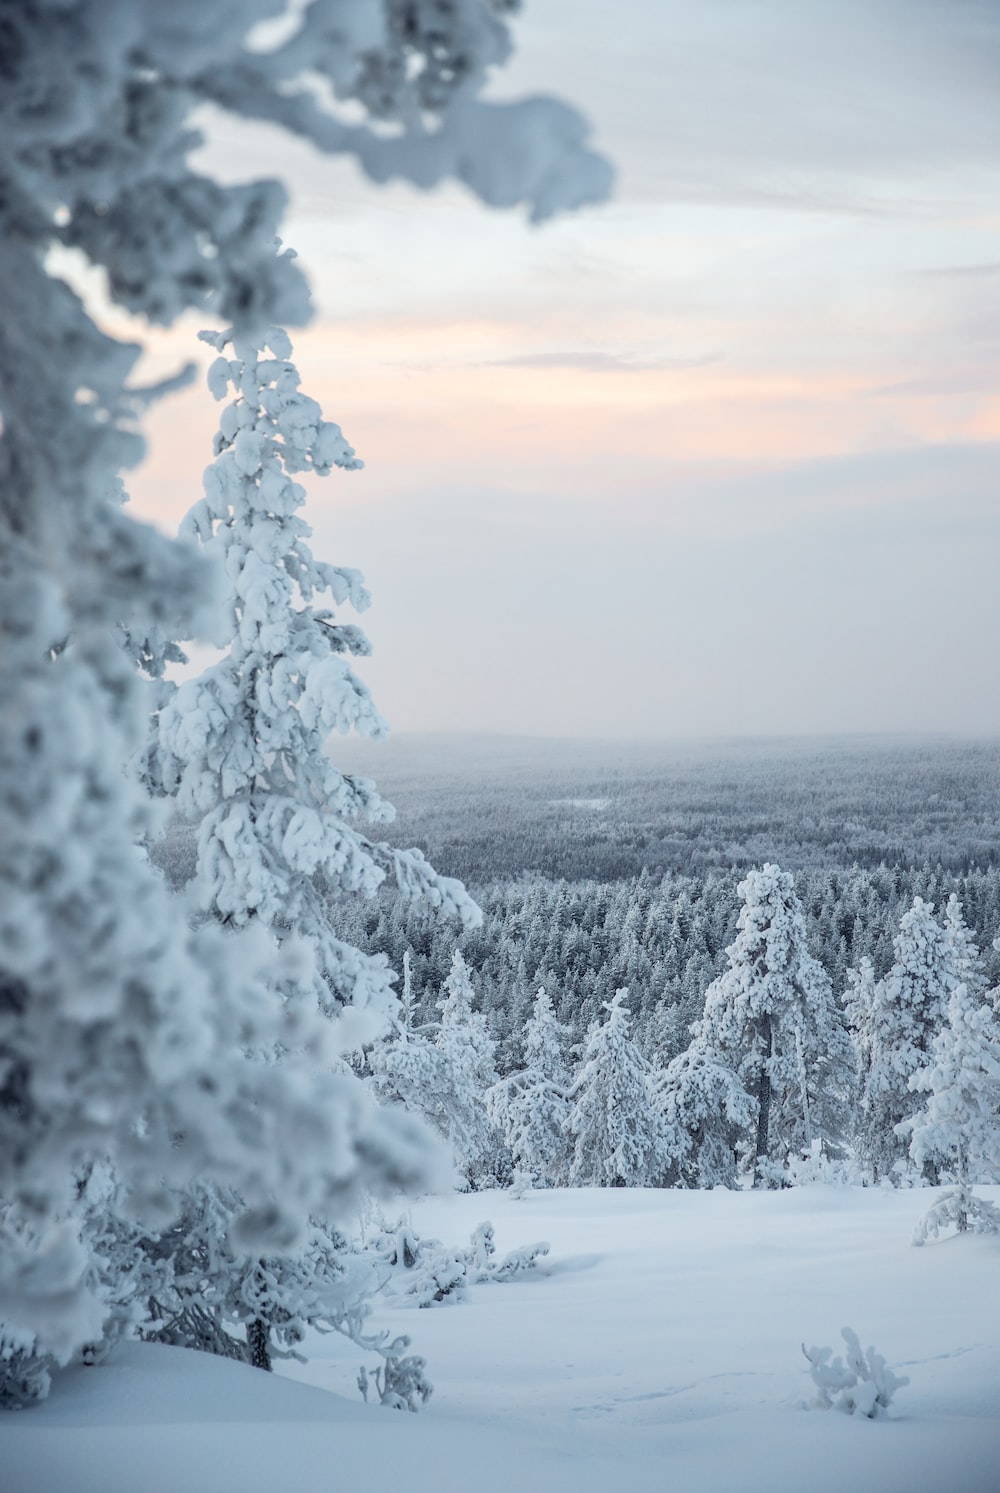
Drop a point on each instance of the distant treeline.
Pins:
(489, 810)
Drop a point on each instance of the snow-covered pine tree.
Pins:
(403, 1064)
(443, 1072)
(668, 1029)
(967, 964)
(120, 1030)
(242, 747)
(771, 1019)
(406, 994)
(190, 1286)
(466, 1051)
(859, 1001)
(909, 1008)
(530, 1107)
(859, 1005)
(195, 1269)
(706, 1114)
(958, 1130)
(613, 1123)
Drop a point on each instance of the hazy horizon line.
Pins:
(679, 738)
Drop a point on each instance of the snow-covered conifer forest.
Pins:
(584, 1104)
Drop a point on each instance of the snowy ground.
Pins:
(658, 1349)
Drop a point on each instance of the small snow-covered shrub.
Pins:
(483, 1264)
(817, 1166)
(428, 1271)
(439, 1272)
(399, 1382)
(424, 1269)
(959, 1208)
(24, 1369)
(521, 1183)
(859, 1384)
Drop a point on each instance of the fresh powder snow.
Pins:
(658, 1346)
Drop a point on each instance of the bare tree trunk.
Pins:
(804, 1085)
(763, 1103)
(963, 1191)
(258, 1344)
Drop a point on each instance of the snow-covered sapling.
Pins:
(429, 1272)
(484, 1265)
(399, 1380)
(861, 1383)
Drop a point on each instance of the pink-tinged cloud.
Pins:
(570, 430)
(722, 457)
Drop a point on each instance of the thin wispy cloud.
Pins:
(937, 385)
(600, 362)
(963, 271)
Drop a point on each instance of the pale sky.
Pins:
(719, 458)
